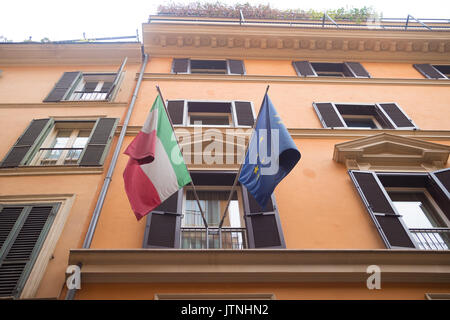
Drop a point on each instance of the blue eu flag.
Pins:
(271, 154)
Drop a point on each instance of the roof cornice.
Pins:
(273, 42)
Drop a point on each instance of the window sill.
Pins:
(49, 170)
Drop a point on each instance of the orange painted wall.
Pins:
(31, 84)
(427, 106)
(282, 291)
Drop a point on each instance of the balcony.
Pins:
(58, 156)
(432, 239)
(218, 238)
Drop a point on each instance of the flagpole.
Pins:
(240, 167)
(192, 184)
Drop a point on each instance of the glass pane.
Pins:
(360, 123)
(416, 210)
(209, 120)
(61, 140)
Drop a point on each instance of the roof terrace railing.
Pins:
(409, 23)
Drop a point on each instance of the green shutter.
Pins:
(94, 153)
(26, 228)
(27, 143)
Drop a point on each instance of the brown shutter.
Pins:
(60, 89)
(236, 66)
(304, 69)
(429, 71)
(26, 143)
(440, 189)
(244, 113)
(328, 115)
(358, 70)
(397, 116)
(99, 141)
(263, 224)
(176, 111)
(164, 223)
(180, 65)
(381, 210)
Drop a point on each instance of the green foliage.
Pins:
(221, 10)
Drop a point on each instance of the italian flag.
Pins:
(156, 168)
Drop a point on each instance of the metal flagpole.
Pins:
(240, 168)
(192, 184)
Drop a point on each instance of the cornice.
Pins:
(160, 265)
(293, 79)
(49, 170)
(322, 133)
(272, 42)
(12, 54)
(63, 104)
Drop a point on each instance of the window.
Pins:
(82, 86)
(422, 217)
(193, 233)
(47, 142)
(211, 113)
(177, 222)
(410, 210)
(22, 234)
(208, 66)
(329, 69)
(434, 71)
(363, 116)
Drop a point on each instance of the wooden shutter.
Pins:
(180, 66)
(244, 113)
(304, 69)
(176, 111)
(381, 210)
(63, 85)
(95, 151)
(328, 115)
(263, 224)
(440, 189)
(110, 86)
(236, 67)
(397, 116)
(358, 70)
(164, 224)
(26, 143)
(22, 244)
(429, 71)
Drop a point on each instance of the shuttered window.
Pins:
(79, 86)
(191, 66)
(233, 113)
(23, 229)
(401, 211)
(164, 228)
(329, 69)
(433, 71)
(46, 142)
(363, 116)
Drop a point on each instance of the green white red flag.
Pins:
(156, 168)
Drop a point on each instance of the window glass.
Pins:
(219, 120)
(360, 122)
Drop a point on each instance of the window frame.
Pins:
(80, 82)
(378, 108)
(189, 68)
(233, 113)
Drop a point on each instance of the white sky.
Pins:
(65, 20)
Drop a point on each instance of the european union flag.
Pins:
(271, 154)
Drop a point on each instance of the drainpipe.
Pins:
(101, 199)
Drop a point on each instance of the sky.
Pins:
(67, 20)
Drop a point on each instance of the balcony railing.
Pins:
(88, 96)
(432, 239)
(224, 238)
(58, 156)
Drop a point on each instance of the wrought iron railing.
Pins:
(409, 23)
(88, 96)
(223, 238)
(432, 239)
(55, 156)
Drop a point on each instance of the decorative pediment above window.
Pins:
(391, 152)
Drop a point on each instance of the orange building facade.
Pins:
(367, 108)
